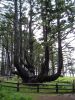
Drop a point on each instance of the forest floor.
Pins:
(57, 97)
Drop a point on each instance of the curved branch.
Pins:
(21, 71)
(28, 66)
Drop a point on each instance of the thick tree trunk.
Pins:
(60, 56)
(46, 52)
(52, 59)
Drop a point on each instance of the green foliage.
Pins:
(65, 79)
(5, 95)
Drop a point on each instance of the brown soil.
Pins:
(57, 97)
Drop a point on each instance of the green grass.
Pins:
(6, 94)
(13, 95)
(65, 85)
(65, 79)
(29, 93)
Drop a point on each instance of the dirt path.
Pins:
(57, 97)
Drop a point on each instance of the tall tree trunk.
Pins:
(2, 63)
(52, 59)
(46, 51)
(31, 32)
(12, 52)
(21, 71)
(16, 35)
(60, 56)
(45, 66)
(20, 29)
(8, 56)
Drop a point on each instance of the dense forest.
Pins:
(36, 59)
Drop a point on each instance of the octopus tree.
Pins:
(23, 72)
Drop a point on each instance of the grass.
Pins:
(29, 93)
(65, 79)
(13, 95)
(5, 94)
(64, 85)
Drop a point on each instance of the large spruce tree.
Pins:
(54, 18)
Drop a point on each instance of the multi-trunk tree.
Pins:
(26, 53)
